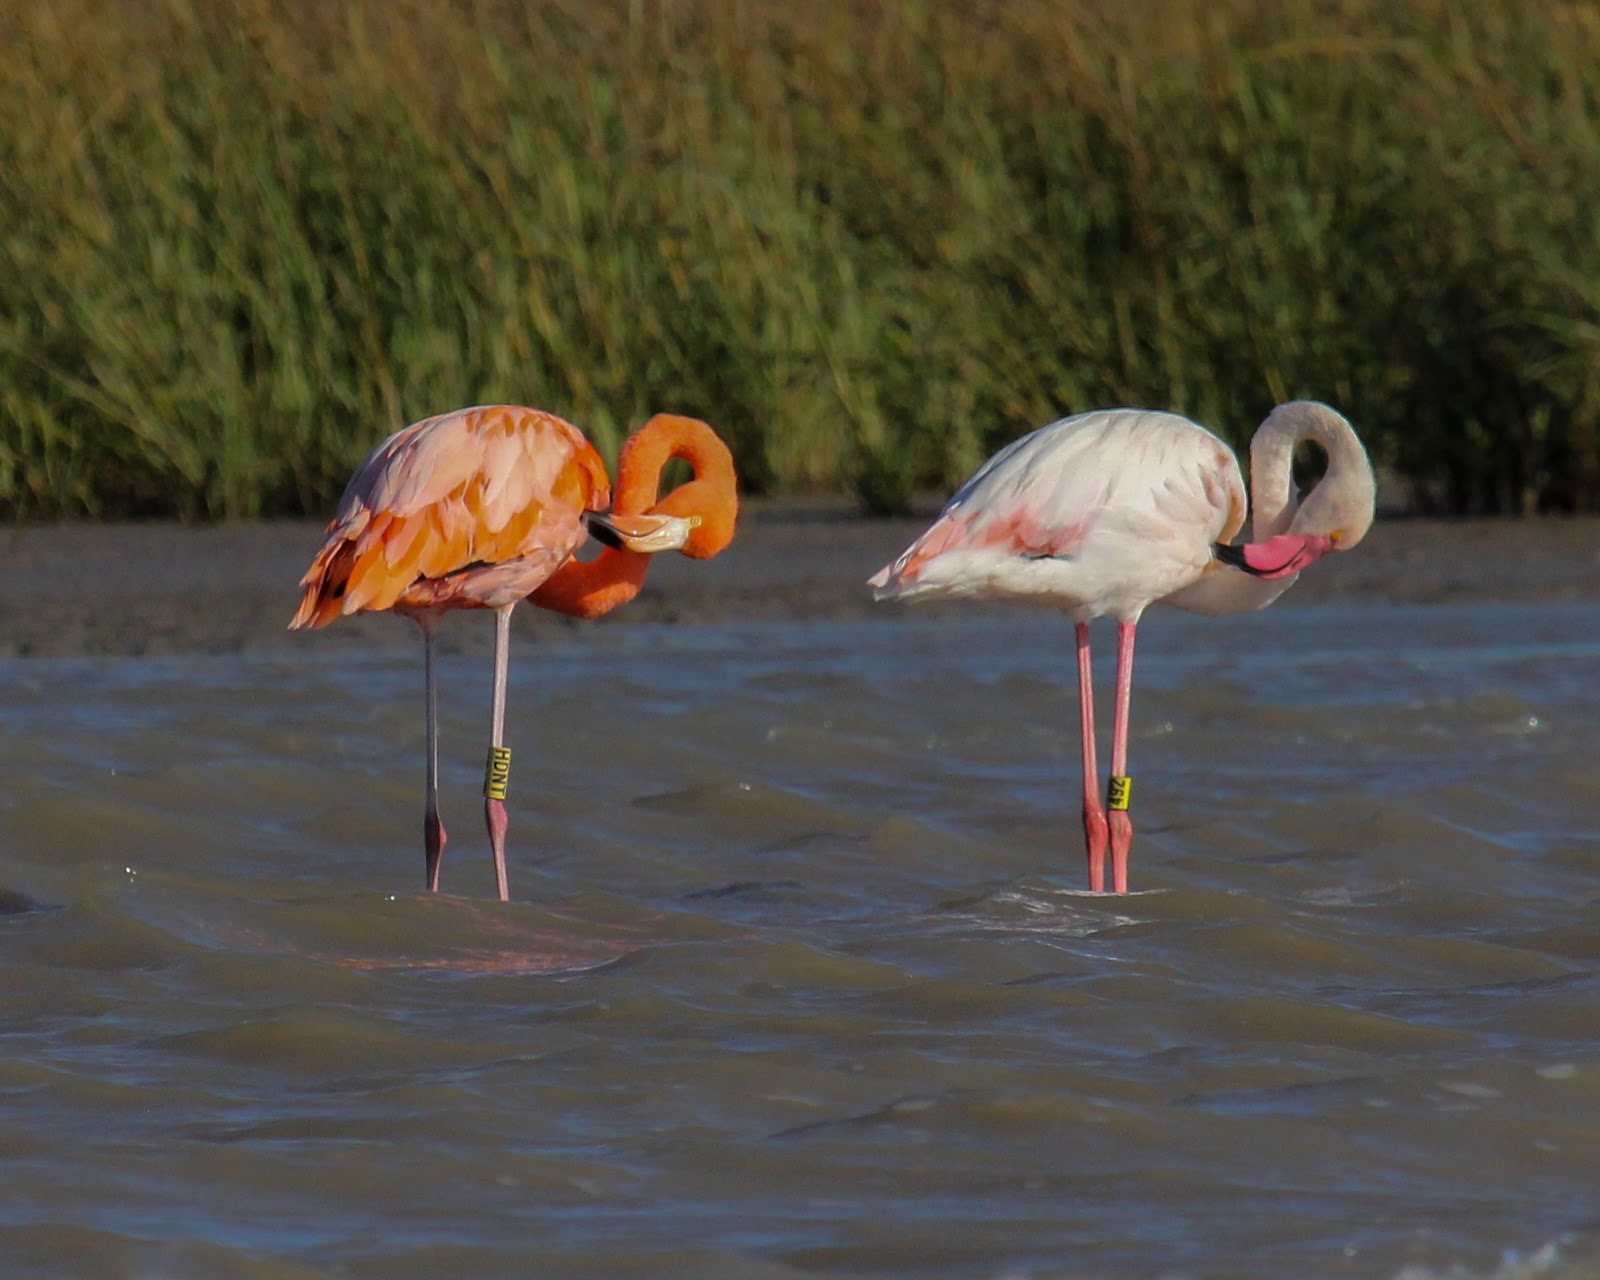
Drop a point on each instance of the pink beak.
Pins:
(1277, 557)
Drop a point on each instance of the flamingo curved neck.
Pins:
(588, 589)
(1273, 501)
(1273, 498)
(593, 588)
(1275, 507)
(1224, 591)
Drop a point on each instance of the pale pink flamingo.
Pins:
(482, 508)
(1107, 512)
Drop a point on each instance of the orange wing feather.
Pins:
(468, 509)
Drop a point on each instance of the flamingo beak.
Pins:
(1276, 557)
(645, 534)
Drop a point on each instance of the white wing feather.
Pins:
(1100, 513)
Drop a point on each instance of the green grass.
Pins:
(240, 242)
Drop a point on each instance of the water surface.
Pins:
(799, 978)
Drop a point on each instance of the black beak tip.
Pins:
(1234, 556)
(601, 532)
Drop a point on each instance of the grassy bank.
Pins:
(240, 240)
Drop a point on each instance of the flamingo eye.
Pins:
(1335, 535)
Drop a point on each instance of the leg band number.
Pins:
(1120, 792)
(497, 773)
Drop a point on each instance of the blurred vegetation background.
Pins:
(243, 240)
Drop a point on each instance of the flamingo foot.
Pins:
(1094, 842)
(494, 814)
(433, 842)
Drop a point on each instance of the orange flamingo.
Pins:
(484, 507)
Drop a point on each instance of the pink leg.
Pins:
(433, 836)
(1121, 824)
(494, 811)
(1094, 818)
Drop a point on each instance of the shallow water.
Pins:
(799, 978)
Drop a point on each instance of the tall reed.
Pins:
(240, 240)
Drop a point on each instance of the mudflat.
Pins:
(147, 589)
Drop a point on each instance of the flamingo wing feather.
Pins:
(1102, 512)
(474, 507)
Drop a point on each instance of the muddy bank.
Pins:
(130, 589)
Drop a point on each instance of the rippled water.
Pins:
(799, 979)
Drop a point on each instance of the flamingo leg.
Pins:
(1121, 825)
(433, 836)
(494, 809)
(1094, 818)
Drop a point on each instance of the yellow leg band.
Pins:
(497, 773)
(1120, 792)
